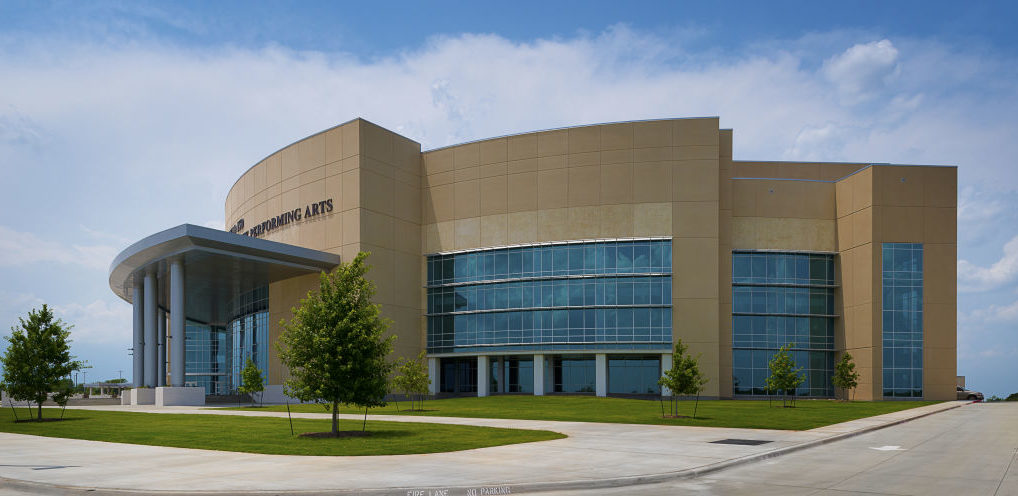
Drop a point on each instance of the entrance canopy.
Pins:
(219, 266)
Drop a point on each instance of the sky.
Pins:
(121, 119)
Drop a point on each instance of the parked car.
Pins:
(965, 394)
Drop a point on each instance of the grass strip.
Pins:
(808, 414)
(266, 435)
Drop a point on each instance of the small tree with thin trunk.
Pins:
(785, 376)
(845, 376)
(412, 380)
(334, 346)
(38, 358)
(251, 379)
(684, 378)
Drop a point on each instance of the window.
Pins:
(902, 318)
(780, 298)
(567, 296)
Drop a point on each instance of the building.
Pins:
(568, 260)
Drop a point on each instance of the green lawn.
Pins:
(807, 414)
(265, 435)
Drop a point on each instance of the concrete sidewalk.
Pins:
(593, 456)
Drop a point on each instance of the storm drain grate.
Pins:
(742, 442)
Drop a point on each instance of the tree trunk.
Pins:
(364, 426)
(335, 417)
(696, 404)
(40, 409)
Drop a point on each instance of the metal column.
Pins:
(538, 375)
(138, 301)
(666, 365)
(483, 372)
(151, 331)
(433, 376)
(161, 373)
(177, 322)
(601, 374)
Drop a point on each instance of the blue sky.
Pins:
(120, 119)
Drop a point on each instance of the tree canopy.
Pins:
(334, 346)
(845, 376)
(251, 380)
(785, 376)
(412, 379)
(38, 359)
(684, 378)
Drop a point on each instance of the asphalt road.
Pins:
(971, 450)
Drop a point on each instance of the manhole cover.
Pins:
(743, 442)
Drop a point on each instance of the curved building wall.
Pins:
(635, 179)
(358, 187)
(354, 187)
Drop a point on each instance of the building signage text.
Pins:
(296, 215)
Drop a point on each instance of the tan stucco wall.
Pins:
(772, 214)
(674, 178)
(816, 171)
(650, 178)
(725, 244)
(373, 177)
(899, 204)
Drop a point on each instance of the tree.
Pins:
(334, 346)
(251, 379)
(845, 376)
(785, 376)
(684, 378)
(38, 358)
(412, 379)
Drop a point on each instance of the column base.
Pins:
(143, 396)
(274, 395)
(179, 396)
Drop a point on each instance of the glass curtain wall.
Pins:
(511, 374)
(215, 355)
(249, 331)
(634, 374)
(902, 306)
(572, 296)
(458, 375)
(780, 298)
(573, 374)
(207, 355)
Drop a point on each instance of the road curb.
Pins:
(490, 489)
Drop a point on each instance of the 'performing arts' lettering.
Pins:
(285, 218)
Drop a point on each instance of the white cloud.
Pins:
(142, 135)
(214, 224)
(17, 129)
(863, 70)
(24, 248)
(973, 278)
(994, 313)
(97, 322)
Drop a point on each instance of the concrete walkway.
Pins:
(593, 456)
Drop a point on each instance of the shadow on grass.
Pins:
(386, 434)
(47, 419)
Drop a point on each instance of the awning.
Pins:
(218, 266)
